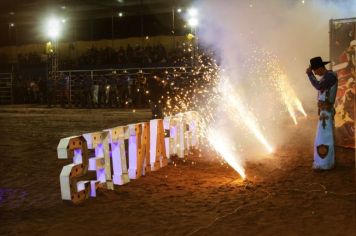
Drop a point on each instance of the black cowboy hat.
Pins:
(317, 62)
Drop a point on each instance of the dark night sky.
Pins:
(88, 19)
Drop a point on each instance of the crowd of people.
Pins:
(111, 90)
(103, 89)
(132, 56)
(123, 57)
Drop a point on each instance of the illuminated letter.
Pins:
(158, 155)
(119, 164)
(71, 189)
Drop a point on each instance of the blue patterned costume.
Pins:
(324, 154)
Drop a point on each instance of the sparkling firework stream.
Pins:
(287, 94)
(211, 93)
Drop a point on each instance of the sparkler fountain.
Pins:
(215, 98)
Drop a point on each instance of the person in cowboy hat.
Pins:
(324, 155)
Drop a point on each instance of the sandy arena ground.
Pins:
(198, 196)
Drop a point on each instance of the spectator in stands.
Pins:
(96, 93)
(130, 88)
(64, 83)
(122, 90)
(113, 92)
(28, 95)
(78, 90)
(101, 92)
(42, 90)
(88, 91)
(129, 53)
(140, 90)
(20, 91)
(121, 56)
(34, 91)
(50, 91)
(156, 88)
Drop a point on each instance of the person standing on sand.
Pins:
(324, 155)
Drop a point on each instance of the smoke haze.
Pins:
(254, 39)
(292, 31)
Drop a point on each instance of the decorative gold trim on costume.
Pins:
(325, 106)
(322, 150)
(323, 118)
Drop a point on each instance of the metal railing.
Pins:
(6, 88)
(75, 77)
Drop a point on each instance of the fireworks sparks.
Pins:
(239, 112)
(287, 94)
(210, 90)
(289, 97)
(299, 107)
(225, 148)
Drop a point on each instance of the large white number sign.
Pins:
(104, 153)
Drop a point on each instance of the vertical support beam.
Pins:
(181, 128)
(158, 155)
(145, 147)
(168, 141)
(135, 152)
(191, 133)
(117, 138)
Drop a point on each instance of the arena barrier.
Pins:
(98, 159)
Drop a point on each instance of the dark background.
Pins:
(22, 21)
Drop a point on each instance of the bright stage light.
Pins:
(192, 12)
(121, 14)
(179, 10)
(193, 22)
(53, 27)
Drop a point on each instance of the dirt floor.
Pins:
(197, 196)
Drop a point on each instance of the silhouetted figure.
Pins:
(42, 90)
(88, 92)
(50, 91)
(155, 92)
(64, 91)
(78, 91)
(113, 93)
(101, 92)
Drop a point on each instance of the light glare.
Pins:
(53, 28)
(193, 22)
(192, 12)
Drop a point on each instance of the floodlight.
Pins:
(53, 27)
(193, 22)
